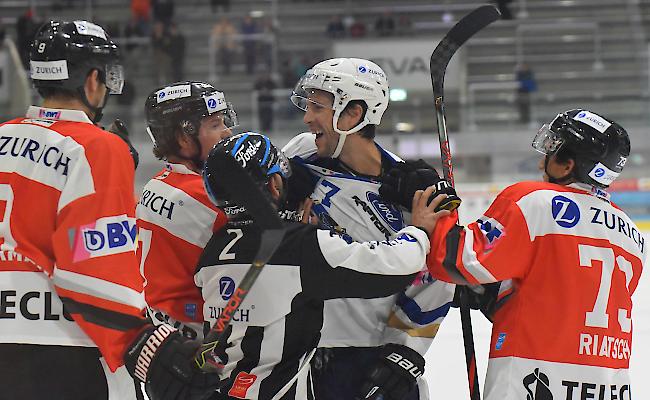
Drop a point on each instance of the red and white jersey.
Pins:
(565, 329)
(175, 220)
(68, 269)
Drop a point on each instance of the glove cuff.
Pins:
(146, 346)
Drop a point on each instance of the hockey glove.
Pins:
(118, 128)
(404, 179)
(301, 185)
(164, 360)
(395, 375)
(485, 302)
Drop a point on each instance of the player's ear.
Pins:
(355, 111)
(274, 186)
(568, 166)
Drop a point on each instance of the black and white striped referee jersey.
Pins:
(278, 325)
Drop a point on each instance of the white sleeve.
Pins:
(403, 255)
(302, 145)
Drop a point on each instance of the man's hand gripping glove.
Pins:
(405, 178)
(118, 128)
(164, 360)
(395, 375)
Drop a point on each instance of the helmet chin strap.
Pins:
(343, 134)
(196, 159)
(339, 145)
(96, 110)
(559, 181)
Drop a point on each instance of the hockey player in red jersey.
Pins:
(174, 215)
(71, 304)
(563, 328)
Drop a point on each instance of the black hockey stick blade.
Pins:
(464, 29)
(245, 192)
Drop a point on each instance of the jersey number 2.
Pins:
(598, 317)
(224, 255)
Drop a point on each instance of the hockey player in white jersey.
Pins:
(340, 165)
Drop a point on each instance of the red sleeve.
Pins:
(494, 248)
(97, 274)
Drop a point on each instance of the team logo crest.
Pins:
(226, 287)
(566, 212)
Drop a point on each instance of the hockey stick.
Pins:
(467, 27)
(244, 192)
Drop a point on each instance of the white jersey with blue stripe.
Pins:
(351, 205)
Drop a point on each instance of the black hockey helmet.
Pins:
(256, 154)
(181, 106)
(62, 55)
(599, 145)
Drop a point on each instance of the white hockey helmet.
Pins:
(346, 79)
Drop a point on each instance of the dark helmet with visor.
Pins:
(256, 154)
(599, 146)
(62, 55)
(182, 106)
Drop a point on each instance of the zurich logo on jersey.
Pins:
(226, 287)
(362, 69)
(599, 172)
(566, 212)
(389, 213)
(161, 95)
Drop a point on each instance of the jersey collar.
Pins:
(180, 169)
(595, 191)
(56, 114)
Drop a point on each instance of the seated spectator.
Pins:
(224, 33)
(404, 25)
(385, 24)
(335, 28)
(248, 30)
(163, 11)
(358, 29)
(140, 12)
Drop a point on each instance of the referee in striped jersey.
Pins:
(277, 327)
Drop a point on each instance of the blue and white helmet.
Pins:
(255, 153)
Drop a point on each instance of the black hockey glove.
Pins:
(118, 128)
(405, 178)
(164, 360)
(485, 302)
(395, 375)
(301, 185)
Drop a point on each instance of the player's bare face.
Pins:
(318, 117)
(212, 130)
